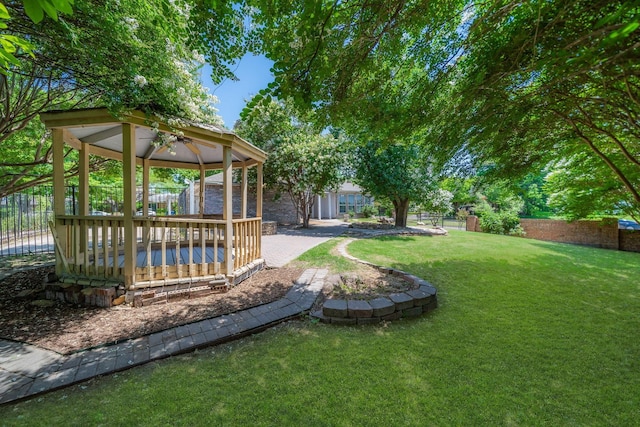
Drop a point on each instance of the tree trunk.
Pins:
(401, 208)
(308, 206)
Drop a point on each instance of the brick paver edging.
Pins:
(392, 307)
(67, 370)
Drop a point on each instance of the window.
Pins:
(353, 202)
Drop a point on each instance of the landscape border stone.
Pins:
(411, 303)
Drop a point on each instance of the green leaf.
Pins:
(49, 9)
(4, 13)
(33, 10)
(63, 6)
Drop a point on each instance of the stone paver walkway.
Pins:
(26, 370)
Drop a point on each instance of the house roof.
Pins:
(192, 145)
(349, 187)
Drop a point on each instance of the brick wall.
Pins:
(629, 240)
(280, 210)
(600, 234)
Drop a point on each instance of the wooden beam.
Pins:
(102, 135)
(150, 151)
(170, 164)
(59, 196)
(105, 152)
(129, 183)
(227, 211)
(195, 151)
(71, 139)
(259, 185)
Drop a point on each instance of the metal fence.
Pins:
(441, 221)
(24, 216)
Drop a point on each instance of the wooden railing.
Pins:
(89, 241)
(179, 248)
(168, 248)
(247, 234)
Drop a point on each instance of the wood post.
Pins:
(129, 182)
(227, 209)
(259, 190)
(146, 171)
(59, 196)
(201, 192)
(83, 179)
(244, 191)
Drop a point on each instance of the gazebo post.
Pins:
(83, 196)
(146, 170)
(201, 190)
(259, 185)
(227, 210)
(59, 196)
(83, 180)
(129, 182)
(244, 191)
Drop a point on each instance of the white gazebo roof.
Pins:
(195, 144)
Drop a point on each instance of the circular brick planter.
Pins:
(391, 307)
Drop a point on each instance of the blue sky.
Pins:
(253, 74)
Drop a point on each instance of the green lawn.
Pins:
(527, 333)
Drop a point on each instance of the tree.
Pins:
(12, 45)
(438, 203)
(118, 54)
(399, 173)
(301, 162)
(513, 84)
(553, 81)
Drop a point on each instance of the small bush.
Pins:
(368, 211)
(501, 223)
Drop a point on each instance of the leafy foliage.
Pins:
(510, 85)
(542, 81)
(119, 54)
(398, 173)
(499, 210)
(438, 203)
(301, 161)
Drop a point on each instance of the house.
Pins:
(277, 208)
(335, 204)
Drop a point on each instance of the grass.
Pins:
(527, 333)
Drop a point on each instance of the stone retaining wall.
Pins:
(390, 307)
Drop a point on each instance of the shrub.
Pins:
(501, 223)
(368, 211)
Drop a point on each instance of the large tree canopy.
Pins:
(395, 172)
(143, 54)
(515, 84)
(557, 82)
(302, 162)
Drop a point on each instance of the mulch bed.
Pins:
(66, 328)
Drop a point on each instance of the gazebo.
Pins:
(143, 257)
